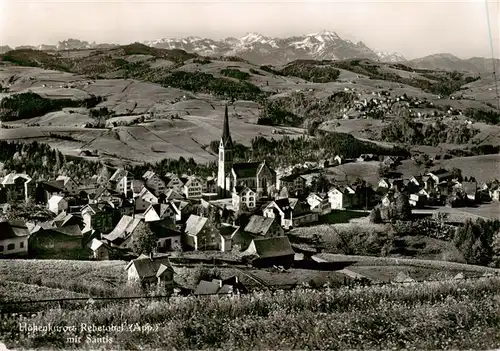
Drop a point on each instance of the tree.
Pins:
(401, 207)
(495, 246)
(144, 240)
(375, 216)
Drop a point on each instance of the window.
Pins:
(1, 248)
(11, 247)
(250, 204)
(22, 244)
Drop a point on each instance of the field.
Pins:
(200, 113)
(105, 278)
(458, 315)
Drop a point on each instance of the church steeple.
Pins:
(225, 158)
(226, 140)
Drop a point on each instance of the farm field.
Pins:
(17, 291)
(386, 317)
(104, 278)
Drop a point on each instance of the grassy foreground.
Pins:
(437, 315)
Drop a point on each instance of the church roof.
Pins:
(246, 170)
(226, 140)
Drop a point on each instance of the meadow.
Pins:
(424, 316)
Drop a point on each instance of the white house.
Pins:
(154, 182)
(13, 238)
(69, 185)
(319, 203)
(244, 196)
(173, 182)
(340, 198)
(192, 188)
(144, 200)
(57, 204)
(121, 181)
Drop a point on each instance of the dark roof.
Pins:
(441, 173)
(227, 230)
(13, 229)
(53, 186)
(271, 247)
(227, 142)
(290, 178)
(164, 228)
(147, 267)
(246, 170)
(259, 225)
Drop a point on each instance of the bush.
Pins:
(312, 71)
(490, 117)
(235, 73)
(207, 83)
(29, 105)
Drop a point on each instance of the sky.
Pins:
(412, 28)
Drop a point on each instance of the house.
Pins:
(171, 194)
(244, 198)
(45, 190)
(365, 157)
(341, 198)
(13, 238)
(258, 227)
(417, 200)
(268, 252)
(154, 182)
(290, 212)
(18, 186)
(149, 270)
(440, 176)
(64, 219)
(168, 237)
(156, 212)
(100, 250)
(319, 202)
(57, 204)
(201, 233)
(495, 193)
(384, 183)
(173, 182)
(121, 235)
(220, 287)
(69, 185)
(62, 242)
(192, 188)
(294, 183)
(338, 160)
(121, 181)
(100, 216)
(470, 189)
(226, 234)
(145, 199)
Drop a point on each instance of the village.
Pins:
(247, 210)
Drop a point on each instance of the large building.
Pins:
(257, 176)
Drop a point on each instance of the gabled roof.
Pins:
(441, 174)
(148, 175)
(118, 175)
(123, 229)
(149, 268)
(164, 228)
(96, 243)
(56, 199)
(12, 177)
(259, 225)
(270, 247)
(171, 194)
(243, 189)
(160, 209)
(13, 229)
(246, 170)
(194, 225)
(207, 288)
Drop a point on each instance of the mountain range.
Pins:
(263, 50)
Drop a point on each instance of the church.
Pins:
(233, 178)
